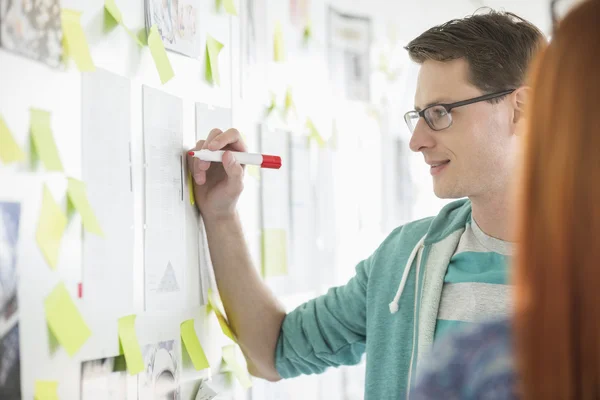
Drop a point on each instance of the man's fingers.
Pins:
(231, 138)
(235, 172)
(211, 136)
(199, 177)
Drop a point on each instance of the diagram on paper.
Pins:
(168, 283)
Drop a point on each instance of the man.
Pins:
(428, 276)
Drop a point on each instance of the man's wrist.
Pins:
(220, 218)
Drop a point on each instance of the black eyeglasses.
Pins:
(438, 116)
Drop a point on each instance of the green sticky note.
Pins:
(313, 133)
(213, 304)
(113, 10)
(193, 346)
(240, 373)
(307, 32)
(129, 345)
(65, 321)
(273, 104)
(191, 188)
(159, 54)
(76, 45)
(9, 149)
(46, 390)
(278, 47)
(213, 48)
(230, 7)
(43, 140)
(289, 101)
(274, 252)
(78, 198)
(51, 228)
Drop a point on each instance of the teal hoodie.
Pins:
(388, 309)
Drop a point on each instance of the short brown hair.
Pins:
(498, 47)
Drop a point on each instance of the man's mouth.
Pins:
(439, 163)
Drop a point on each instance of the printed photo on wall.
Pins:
(160, 380)
(9, 232)
(33, 29)
(10, 366)
(349, 45)
(177, 23)
(105, 378)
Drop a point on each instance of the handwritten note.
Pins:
(42, 140)
(213, 304)
(159, 54)
(129, 345)
(76, 45)
(79, 200)
(193, 346)
(274, 252)
(46, 390)
(234, 366)
(278, 46)
(51, 227)
(213, 48)
(9, 149)
(65, 321)
(313, 133)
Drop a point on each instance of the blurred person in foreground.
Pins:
(550, 349)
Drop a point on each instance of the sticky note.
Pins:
(117, 18)
(230, 7)
(213, 48)
(313, 133)
(75, 43)
(191, 188)
(289, 101)
(159, 54)
(129, 345)
(272, 104)
(43, 140)
(113, 10)
(79, 200)
(278, 47)
(253, 171)
(274, 252)
(213, 304)
(307, 32)
(51, 227)
(234, 366)
(9, 149)
(46, 390)
(65, 321)
(193, 346)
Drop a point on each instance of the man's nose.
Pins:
(422, 137)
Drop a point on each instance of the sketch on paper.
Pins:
(9, 232)
(168, 283)
(177, 23)
(160, 380)
(104, 378)
(33, 29)
(349, 44)
(10, 365)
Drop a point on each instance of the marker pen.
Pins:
(262, 160)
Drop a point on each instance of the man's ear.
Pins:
(520, 101)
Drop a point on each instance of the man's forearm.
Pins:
(254, 313)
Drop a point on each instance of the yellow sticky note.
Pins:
(46, 390)
(273, 104)
(129, 345)
(76, 44)
(313, 133)
(240, 373)
(213, 304)
(193, 346)
(278, 47)
(191, 188)
(289, 101)
(230, 7)
(114, 11)
(51, 227)
(9, 149)
(65, 321)
(274, 252)
(253, 171)
(43, 140)
(78, 198)
(213, 48)
(159, 54)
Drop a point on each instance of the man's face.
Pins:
(474, 156)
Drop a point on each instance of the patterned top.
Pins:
(475, 363)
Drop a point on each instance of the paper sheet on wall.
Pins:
(9, 149)
(106, 171)
(165, 245)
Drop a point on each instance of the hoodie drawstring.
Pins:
(394, 304)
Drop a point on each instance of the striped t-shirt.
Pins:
(476, 285)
